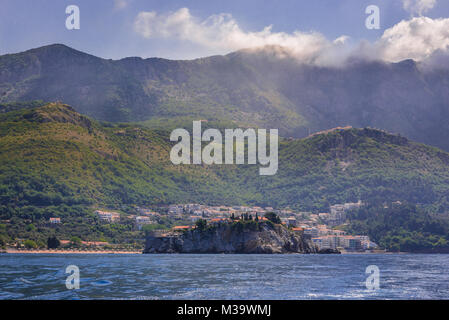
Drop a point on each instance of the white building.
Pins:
(108, 216)
(175, 209)
(142, 220)
(312, 232)
(55, 220)
(326, 242)
(195, 218)
(291, 222)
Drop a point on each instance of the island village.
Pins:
(324, 229)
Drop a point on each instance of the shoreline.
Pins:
(43, 251)
(15, 251)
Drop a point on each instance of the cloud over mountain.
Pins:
(417, 38)
(221, 32)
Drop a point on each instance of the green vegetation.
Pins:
(58, 163)
(75, 241)
(152, 227)
(53, 243)
(201, 224)
(30, 244)
(273, 217)
(14, 106)
(401, 227)
(237, 226)
(251, 225)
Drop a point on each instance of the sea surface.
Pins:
(164, 276)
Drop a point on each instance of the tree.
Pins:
(152, 227)
(2, 241)
(53, 243)
(273, 217)
(201, 224)
(30, 244)
(75, 241)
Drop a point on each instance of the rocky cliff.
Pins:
(236, 237)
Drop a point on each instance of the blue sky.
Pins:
(108, 28)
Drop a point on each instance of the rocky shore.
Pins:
(236, 237)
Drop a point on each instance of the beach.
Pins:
(43, 251)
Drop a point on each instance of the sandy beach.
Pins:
(70, 251)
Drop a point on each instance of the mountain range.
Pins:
(53, 156)
(110, 148)
(56, 162)
(265, 87)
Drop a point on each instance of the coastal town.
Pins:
(323, 229)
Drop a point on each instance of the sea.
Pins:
(224, 276)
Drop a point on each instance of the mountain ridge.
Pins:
(247, 88)
(52, 155)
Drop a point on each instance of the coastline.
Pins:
(15, 251)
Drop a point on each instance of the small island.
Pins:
(261, 236)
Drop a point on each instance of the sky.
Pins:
(322, 31)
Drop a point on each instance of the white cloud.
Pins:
(418, 6)
(417, 38)
(221, 32)
(341, 40)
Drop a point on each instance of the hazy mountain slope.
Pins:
(248, 88)
(53, 156)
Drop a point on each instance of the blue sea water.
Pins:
(404, 276)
